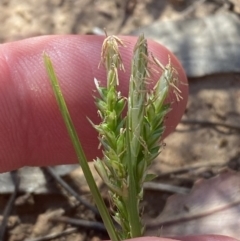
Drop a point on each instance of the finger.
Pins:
(188, 238)
(207, 238)
(153, 239)
(31, 127)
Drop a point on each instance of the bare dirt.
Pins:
(201, 138)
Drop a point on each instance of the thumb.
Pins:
(153, 239)
(31, 127)
(206, 238)
(187, 238)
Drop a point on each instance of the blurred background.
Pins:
(205, 36)
(30, 18)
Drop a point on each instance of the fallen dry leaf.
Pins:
(44, 226)
(212, 207)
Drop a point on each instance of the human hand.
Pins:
(31, 126)
(188, 238)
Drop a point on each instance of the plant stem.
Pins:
(130, 143)
(133, 200)
(79, 150)
(135, 120)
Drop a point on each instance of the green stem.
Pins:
(79, 150)
(132, 202)
(135, 118)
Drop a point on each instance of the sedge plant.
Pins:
(129, 133)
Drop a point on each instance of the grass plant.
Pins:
(129, 142)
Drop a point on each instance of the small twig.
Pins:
(184, 177)
(53, 235)
(130, 6)
(191, 8)
(10, 203)
(165, 187)
(70, 190)
(80, 223)
(190, 167)
(208, 123)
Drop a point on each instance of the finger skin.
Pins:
(151, 239)
(206, 238)
(187, 238)
(31, 127)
